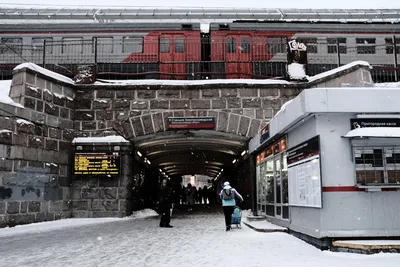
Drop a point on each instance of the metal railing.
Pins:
(183, 58)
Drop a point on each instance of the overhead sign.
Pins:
(191, 123)
(374, 122)
(97, 163)
(304, 150)
(264, 135)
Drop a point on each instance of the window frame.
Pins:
(140, 44)
(18, 48)
(332, 45)
(74, 38)
(384, 168)
(363, 48)
(310, 42)
(274, 46)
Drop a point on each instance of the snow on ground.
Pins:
(195, 240)
(51, 226)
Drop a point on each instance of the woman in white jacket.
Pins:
(227, 196)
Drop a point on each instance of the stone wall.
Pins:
(95, 196)
(34, 151)
(135, 112)
(35, 141)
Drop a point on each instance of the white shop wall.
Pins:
(302, 219)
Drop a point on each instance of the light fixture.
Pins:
(139, 154)
(234, 161)
(244, 152)
(222, 170)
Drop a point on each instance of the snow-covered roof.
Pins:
(369, 100)
(109, 15)
(104, 139)
(374, 132)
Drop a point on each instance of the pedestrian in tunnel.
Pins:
(227, 196)
(166, 196)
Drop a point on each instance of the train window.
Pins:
(390, 45)
(38, 45)
(164, 45)
(276, 45)
(311, 44)
(11, 46)
(179, 45)
(72, 45)
(231, 45)
(104, 45)
(366, 45)
(333, 45)
(131, 44)
(245, 45)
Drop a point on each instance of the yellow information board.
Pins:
(97, 163)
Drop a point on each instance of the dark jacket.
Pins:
(166, 197)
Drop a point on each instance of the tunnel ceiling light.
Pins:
(139, 154)
(222, 170)
(244, 152)
(234, 161)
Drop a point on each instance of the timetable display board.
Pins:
(304, 174)
(97, 163)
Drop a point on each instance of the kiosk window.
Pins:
(377, 165)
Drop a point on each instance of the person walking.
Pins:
(227, 196)
(166, 204)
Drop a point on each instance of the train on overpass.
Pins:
(196, 44)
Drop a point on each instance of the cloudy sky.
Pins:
(213, 3)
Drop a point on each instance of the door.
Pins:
(278, 186)
(172, 54)
(238, 56)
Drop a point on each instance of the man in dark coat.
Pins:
(165, 204)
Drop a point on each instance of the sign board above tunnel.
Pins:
(191, 123)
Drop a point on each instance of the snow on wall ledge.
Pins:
(105, 139)
(65, 79)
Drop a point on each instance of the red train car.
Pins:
(176, 52)
(249, 49)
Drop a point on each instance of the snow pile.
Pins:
(296, 71)
(283, 108)
(5, 87)
(342, 68)
(53, 225)
(374, 132)
(44, 71)
(189, 82)
(104, 139)
(391, 85)
(146, 213)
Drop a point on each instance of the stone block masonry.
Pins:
(34, 151)
(35, 141)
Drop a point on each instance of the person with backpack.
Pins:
(227, 196)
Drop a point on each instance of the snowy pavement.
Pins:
(195, 240)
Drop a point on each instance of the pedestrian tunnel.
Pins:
(174, 155)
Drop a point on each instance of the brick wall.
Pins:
(34, 151)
